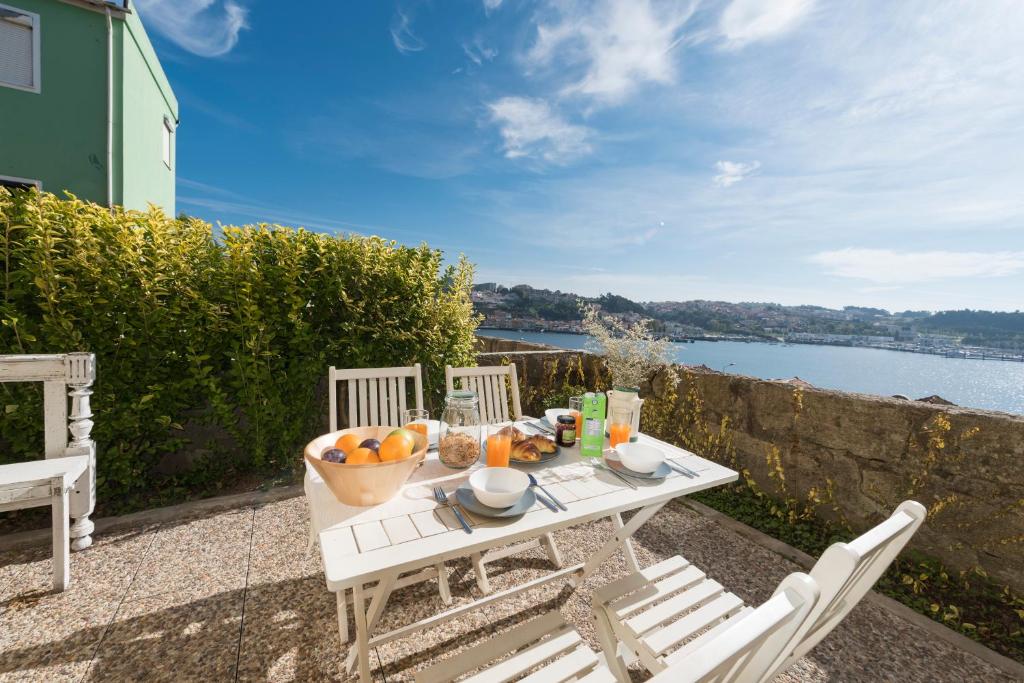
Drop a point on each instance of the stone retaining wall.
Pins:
(872, 452)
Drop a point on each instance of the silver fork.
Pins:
(441, 497)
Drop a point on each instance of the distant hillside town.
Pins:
(970, 334)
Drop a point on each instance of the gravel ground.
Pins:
(230, 595)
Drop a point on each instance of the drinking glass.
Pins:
(619, 424)
(499, 446)
(576, 410)
(415, 420)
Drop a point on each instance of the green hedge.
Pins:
(210, 342)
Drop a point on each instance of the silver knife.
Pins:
(679, 469)
(620, 476)
(682, 468)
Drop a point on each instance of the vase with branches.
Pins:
(632, 353)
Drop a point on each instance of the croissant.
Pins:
(512, 431)
(543, 444)
(525, 451)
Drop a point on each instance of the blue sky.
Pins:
(797, 151)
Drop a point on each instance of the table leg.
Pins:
(627, 545)
(342, 615)
(362, 650)
(367, 616)
(615, 542)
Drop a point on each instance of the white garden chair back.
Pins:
(489, 384)
(376, 396)
(845, 572)
(746, 649)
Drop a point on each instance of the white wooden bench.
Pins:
(45, 482)
(64, 375)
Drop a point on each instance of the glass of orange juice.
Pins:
(576, 410)
(619, 421)
(415, 420)
(499, 446)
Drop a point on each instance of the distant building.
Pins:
(84, 103)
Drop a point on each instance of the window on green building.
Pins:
(19, 49)
(168, 139)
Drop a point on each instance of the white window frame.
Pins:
(167, 134)
(37, 61)
(27, 181)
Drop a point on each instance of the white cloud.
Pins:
(885, 266)
(621, 45)
(748, 21)
(402, 36)
(208, 28)
(530, 128)
(731, 172)
(491, 5)
(479, 53)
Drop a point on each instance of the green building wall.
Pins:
(59, 135)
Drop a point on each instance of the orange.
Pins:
(396, 447)
(362, 456)
(347, 443)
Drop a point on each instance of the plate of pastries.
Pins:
(530, 448)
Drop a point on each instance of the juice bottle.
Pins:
(592, 438)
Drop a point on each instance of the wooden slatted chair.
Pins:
(375, 397)
(548, 650)
(489, 383)
(657, 612)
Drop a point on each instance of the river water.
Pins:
(987, 384)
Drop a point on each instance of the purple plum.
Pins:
(372, 444)
(333, 455)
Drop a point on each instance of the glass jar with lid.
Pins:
(459, 445)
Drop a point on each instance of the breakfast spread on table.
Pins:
(529, 448)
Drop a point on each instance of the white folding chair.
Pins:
(489, 383)
(375, 397)
(656, 612)
(845, 572)
(548, 650)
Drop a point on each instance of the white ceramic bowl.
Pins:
(640, 457)
(499, 487)
(552, 415)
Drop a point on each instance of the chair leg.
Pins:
(61, 544)
(552, 550)
(442, 583)
(610, 646)
(312, 539)
(343, 615)
(481, 573)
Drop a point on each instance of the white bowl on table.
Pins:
(499, 487)
(551, 415)
(640, 457)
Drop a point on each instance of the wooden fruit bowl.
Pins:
(370, 483)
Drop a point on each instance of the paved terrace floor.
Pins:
(229, 596)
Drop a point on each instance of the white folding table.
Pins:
(366, 545)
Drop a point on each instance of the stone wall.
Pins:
(871, 452)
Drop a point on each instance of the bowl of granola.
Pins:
(458, 449)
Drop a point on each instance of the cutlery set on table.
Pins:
(502, 492)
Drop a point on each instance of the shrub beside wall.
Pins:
(209, 347)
